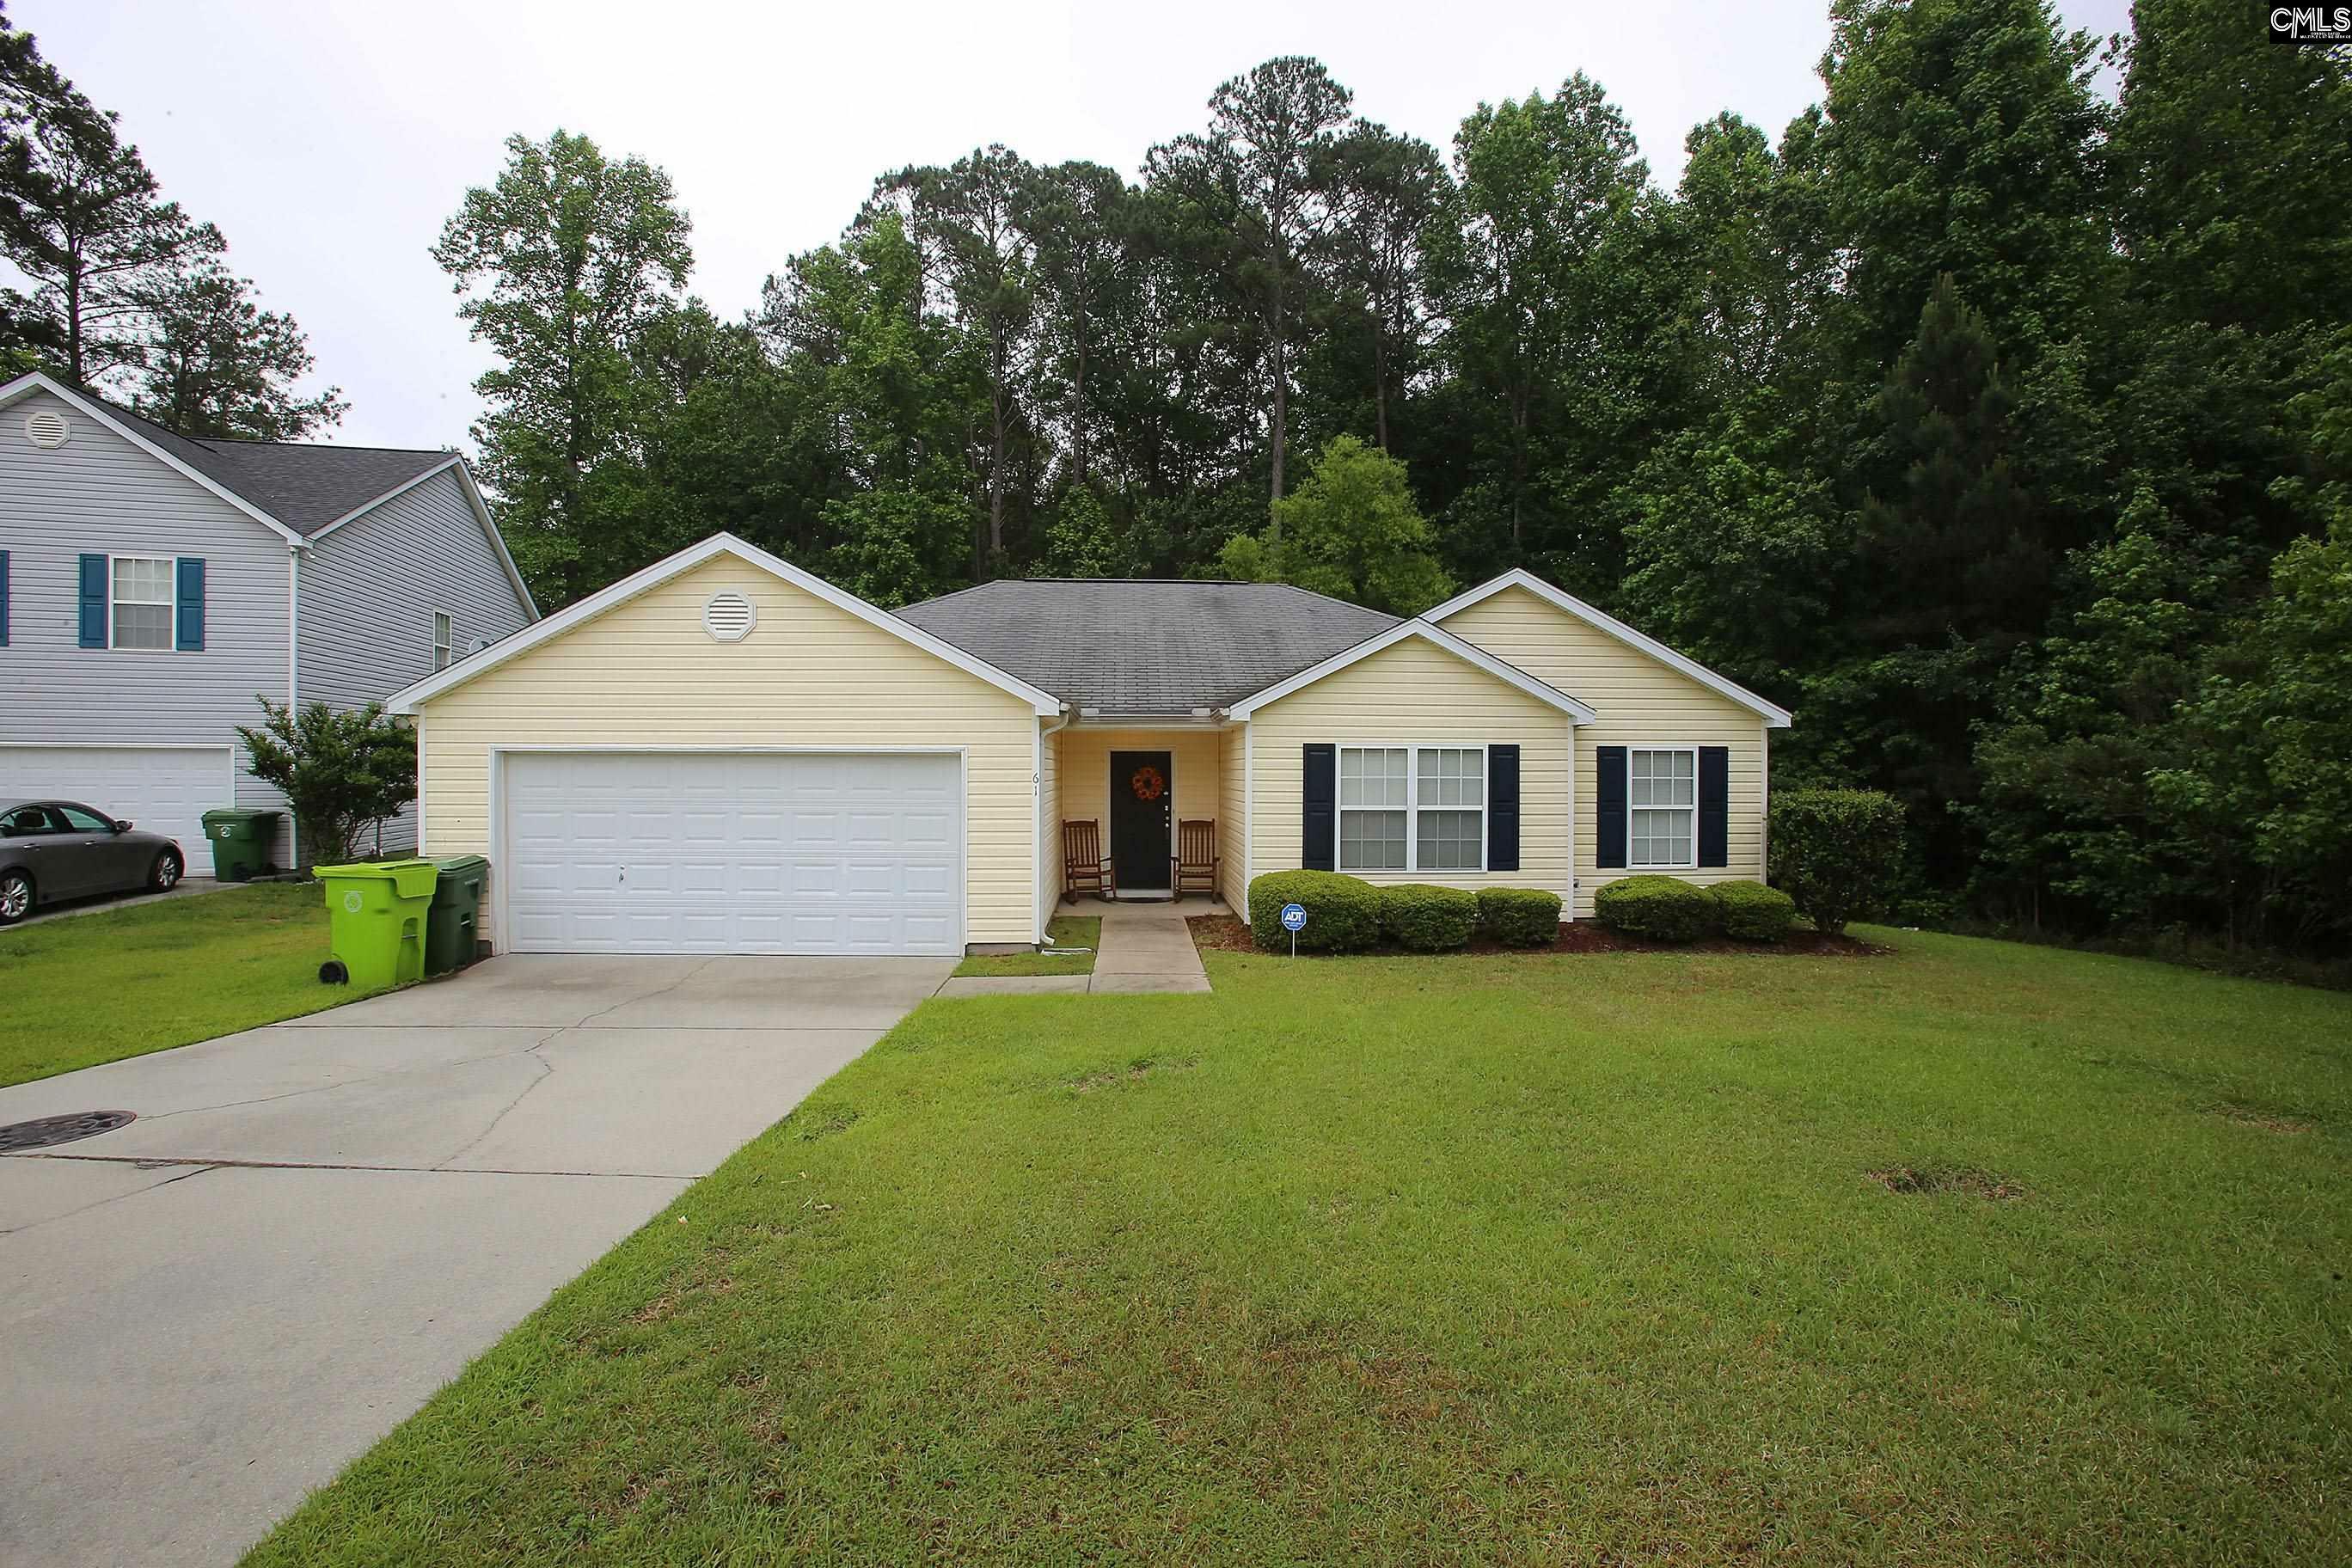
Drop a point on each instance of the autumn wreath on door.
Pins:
(1148, 783)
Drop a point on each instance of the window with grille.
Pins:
(143, 603)
(1662, 797)
(1413, 809)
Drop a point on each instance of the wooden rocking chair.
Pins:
(1085, 866)
(1194, 867)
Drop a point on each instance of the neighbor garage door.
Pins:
(732, 852)
(164, 789)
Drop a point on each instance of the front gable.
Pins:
(822, 639)
(1561, 639)
(113, 449)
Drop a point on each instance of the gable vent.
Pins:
(47, 427)
(729, 617)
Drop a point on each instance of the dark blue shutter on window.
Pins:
(1502, 808)
(1318, 815)
(3, 598)
(1714, 806)
(1609, 802)
(93, 601)
(190, 629)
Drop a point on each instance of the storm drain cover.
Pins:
(43, 1131)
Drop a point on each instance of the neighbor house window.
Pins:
(445, 638)
(142, 601)
(1413, 809)
(1663, 797)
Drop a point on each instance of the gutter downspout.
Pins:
(1062, 721)
(293, 678)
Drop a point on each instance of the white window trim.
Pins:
(170, 603)
(1412, 750)
(1633, 865)
(445, 653)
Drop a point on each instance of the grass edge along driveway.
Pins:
(121, 982)
(1509, 1259)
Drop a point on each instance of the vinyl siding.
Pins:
(1639, 702)
(369, 593)
(1233, 816)
(1084, 772)
(100, 494)
(646, 674)
(1408, 694)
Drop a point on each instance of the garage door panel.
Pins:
(729, 852)
(164, 789)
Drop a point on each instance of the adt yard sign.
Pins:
(1293, 920)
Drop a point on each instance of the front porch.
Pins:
(1140, 786)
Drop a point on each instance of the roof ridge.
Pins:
(316, 446)
(211, 442)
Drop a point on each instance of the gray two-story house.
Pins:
(153, 587)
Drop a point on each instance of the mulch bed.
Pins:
(1230, 933)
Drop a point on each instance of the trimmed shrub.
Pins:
(1663, 909)
(1343, 913)
(1519, 917)
(1837, 852)
(1750, 912)
(1427, 919)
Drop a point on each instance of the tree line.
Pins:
(126, 293)
(2000, 429)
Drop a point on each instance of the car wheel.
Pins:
(16, 897)
(165, 874)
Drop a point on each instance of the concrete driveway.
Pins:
(312, 1227)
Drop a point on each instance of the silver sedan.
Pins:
(53, 849)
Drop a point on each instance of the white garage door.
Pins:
(733, 852)
(164, 789)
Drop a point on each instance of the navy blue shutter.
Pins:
(1609, 801)
(93, 601)
(1502, 808)
(191, 626)
(1318, 813)
(1714, 806)
(3, 598)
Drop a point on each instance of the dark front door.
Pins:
(1142, 796)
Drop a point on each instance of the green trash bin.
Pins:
(375, 921)
(241, 842)
(456, 906)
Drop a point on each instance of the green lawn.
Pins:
(1069, 930)
(1521, 1259)
(121, 982)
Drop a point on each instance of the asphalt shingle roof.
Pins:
(1136, 645)
(304, 485)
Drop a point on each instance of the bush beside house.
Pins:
(1750, 912)
(1519, 917)
(1836, 852)
(1661, 908)
(1343, 913)
(1428, 918)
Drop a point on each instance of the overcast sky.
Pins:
(330, 138)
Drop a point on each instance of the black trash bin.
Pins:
(449, 928)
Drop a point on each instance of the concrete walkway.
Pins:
(311, 1227)
(1145, 949)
